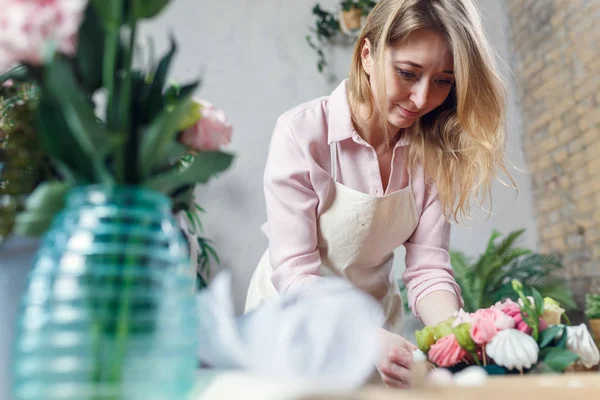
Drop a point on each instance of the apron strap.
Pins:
(334, 163)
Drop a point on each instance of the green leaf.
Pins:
(549, 334)
(154, 102)
(155, 147)
(562, 341)
(41, 207)
(109, 10)
(539, 301)
(57, 140)
(151, 8)
(205, 165)
(559, 359)
(90, 50)
(18, 73)
(79, 116)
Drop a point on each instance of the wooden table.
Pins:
(239, 385)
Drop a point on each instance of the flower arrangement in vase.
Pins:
(511, 337)
(113, 273)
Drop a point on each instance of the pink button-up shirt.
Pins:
(297, 181)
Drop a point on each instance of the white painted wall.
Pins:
(256, 65)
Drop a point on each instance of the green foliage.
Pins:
(592, 305)
(23, 162)
(327, 26)
(136, 140)
(487, 279)
(364, 5)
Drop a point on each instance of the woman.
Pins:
(388, 159)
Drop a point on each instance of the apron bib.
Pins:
(357, 236)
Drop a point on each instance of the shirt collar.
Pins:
(340, 120)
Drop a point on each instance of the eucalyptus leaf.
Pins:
(559, 359)
(205, 165)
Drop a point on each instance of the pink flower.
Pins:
(508, 306)
(211, 132)
(26, 26)
(513, 310)
(446, 352)
(482, 330)
(462, 317)
(500, 320)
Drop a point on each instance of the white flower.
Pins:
(580, 342)
(513, 349)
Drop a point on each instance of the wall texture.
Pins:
(556, 59)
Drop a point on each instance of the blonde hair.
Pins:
(460, 144)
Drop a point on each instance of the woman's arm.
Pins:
(433, 294)
(291, 213)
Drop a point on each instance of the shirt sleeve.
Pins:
(428, 267)
(291, 213)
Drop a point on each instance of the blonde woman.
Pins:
(405, 145)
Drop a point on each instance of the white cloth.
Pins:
(358, 233)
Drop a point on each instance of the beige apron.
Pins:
(357, 237)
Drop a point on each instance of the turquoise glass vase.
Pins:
(109, 310)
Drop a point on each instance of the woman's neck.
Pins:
(368, 126)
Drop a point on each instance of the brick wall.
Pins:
(556, 61)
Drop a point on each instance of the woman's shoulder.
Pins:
(310, 116)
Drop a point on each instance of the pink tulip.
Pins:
(446, 352)
(211, 132)
(26, 26)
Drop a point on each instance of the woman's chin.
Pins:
(400, 122)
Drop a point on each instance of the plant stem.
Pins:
(113, 28)
(129, 153)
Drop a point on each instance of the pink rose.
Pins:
(482, 330)
(27, 25)
(500, 320)
(446, 352)
(513, 310)
(211, 132)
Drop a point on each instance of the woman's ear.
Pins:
(366, 56)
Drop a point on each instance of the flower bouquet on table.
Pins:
(511, 337)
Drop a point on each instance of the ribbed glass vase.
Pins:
(109, 310)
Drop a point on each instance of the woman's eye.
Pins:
(445, 82)
(406, 74)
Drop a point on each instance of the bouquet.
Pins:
(510, 337)
(103, 113)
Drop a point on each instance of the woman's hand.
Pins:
(396, 359)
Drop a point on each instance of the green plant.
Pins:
(136, 140)
(487, 279)
(592, 305)
(364, 5)
(23, 162)
(327, 26)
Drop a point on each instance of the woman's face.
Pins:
(418, 76)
